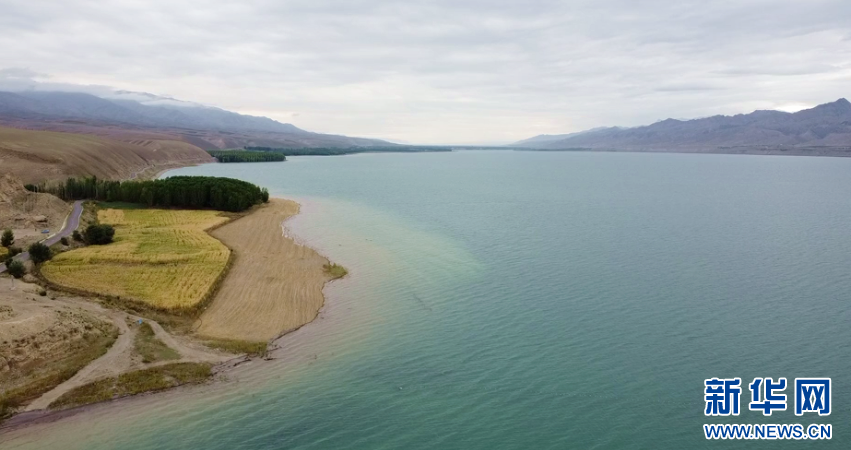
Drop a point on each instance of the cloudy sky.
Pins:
(445, 71)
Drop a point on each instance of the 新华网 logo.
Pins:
(723, 396)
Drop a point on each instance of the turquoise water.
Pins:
(520, 300)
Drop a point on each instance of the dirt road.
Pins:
(71, 224)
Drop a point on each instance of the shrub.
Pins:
(64, 240)
(39, 252)
(77, 236)
(8, 238)
(99, 234)
(335, 270)
(15, 250)
(15, 268)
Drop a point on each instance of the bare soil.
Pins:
(27, 214)
(36, 156)
(43, 342)
(54, 344)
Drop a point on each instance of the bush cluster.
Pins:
(99, 234)
(7, 239)
(39, 252)
(15, 268)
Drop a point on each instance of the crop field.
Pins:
(163, 258)
(275, 284)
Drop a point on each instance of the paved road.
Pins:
(71, 224)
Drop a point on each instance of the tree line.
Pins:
(238, 156)
(224, 194)
(329, 151)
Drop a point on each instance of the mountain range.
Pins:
(824, 130)
(204, 126)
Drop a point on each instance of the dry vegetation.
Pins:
(132, 383)
(48, 155)
(335, 270)
(161, 258)
(150, 348)
(274, 285)
(43, 343)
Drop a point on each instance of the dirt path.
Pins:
(110, 364)
(188, 350)
(120, 357)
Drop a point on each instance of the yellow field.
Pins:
(275, 284)
(160, 257)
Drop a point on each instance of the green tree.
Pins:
(77, 236)
(8, 238)
(39, 252)
(15, 268)
(226, 194)
(99, 234)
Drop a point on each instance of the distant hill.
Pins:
(823, 130)
(543, 139)
(206, 127)
(35, 156)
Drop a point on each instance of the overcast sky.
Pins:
(453, 71)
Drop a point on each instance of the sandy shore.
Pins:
(274, 285)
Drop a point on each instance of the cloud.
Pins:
(20, 73)
(444, 71)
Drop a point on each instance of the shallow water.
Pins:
(518, 300)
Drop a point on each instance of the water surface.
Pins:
(528, 300)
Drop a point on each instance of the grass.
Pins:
(335, 271)
(160, 258)
(150, 348)
(132, 383)
(237, 346)
(86, 351)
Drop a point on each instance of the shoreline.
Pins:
(155, 172)
(27, 419)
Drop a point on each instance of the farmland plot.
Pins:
(163, 258)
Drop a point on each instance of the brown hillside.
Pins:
(35, 156)
(28, 213)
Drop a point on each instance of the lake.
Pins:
(529, 300)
